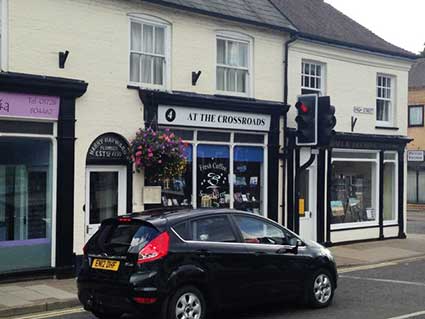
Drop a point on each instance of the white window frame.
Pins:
(322, 77)
(4, 35)
(156, 22)
(395, 203)
(242, 38)
(375, 186)
(391, 100)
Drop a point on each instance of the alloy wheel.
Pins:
(188, 306)
(322, 288)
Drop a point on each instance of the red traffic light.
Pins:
(302, 107)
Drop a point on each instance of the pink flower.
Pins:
(160, 162)
(150, 155)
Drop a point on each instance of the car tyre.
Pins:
(320, 289)
(187, 303)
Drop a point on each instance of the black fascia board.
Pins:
(308, 36)
(291, 29)
(218, 102)
(358, 137)
(40, 84)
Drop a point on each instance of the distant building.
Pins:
(416, 130)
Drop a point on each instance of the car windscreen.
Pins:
(117, 239)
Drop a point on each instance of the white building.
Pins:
(64, 163)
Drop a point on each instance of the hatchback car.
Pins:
(183, 264)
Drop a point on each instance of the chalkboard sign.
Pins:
(109, 148)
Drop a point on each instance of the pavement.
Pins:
(50, 294)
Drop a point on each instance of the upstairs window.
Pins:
(384, 100)
(149, 53)
(233, 66)
(416, 115)
(312, 78)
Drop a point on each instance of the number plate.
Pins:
(105, 264)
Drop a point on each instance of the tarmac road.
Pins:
(395, 291)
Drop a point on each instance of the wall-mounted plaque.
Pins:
(109, 147)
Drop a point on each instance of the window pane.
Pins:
(103, 196)
(221, 74)
(231, 80)
(146, 69)
(353, 192)
(213, 136)
(248, 182)
(214, 229)
(415, 115)
(158, 70)
(136, 36)
(147, 38)
(389, 191)
(213, 176)
(232, 53)
(318, 70)
(241, 81)
(135, 67)
(249, 138)
(382, 110)
(243, 54)
(221, 51)
(159, 40)
(255, 231)
(25, 203)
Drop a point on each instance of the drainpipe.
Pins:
(292, 39)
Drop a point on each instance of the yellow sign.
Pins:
(301, 207)
(105, 264)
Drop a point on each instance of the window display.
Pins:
(248, 181)
(353, 191)
(390, 186)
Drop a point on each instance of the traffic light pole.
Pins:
(298, 170)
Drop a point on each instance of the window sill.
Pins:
(234, 95)
(392, 128)
(354, 226)
(413, 126)
(138, 86)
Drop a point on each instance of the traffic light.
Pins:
(327, 120)
(307, 120)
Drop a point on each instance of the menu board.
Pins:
(213, 182)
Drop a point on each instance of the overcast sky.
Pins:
(401, 22)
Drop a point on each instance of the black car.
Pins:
(183, 264)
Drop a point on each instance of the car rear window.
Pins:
(118, 239)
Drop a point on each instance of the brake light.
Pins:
(145, 301)
(124, 219)
(85, 249)
(155, 250)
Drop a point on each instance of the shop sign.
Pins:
(364, 110)
(29, 106)
(185, 116)
(110, 147)
(415, 156)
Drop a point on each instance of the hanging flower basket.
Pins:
(160, 154)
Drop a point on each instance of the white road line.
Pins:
(51, 314)
(410, 315)
(411, 283)
(366, 267)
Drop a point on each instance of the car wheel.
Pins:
(320, 289)
(102, 315)
(187, 303)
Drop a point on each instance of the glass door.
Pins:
(106, 194)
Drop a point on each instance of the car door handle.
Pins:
(203, 253)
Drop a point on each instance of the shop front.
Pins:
(231, 150)
(359, 193)
(36, 154)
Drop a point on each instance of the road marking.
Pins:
(411, 283)
(366, 267)
(50, 314)
(410, 315)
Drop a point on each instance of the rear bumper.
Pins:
(113, 297)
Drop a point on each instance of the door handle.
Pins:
(203, 253)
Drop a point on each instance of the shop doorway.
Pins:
(106, 195)
(308, 201)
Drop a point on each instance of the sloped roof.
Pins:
(417, 74)
(316, 19)
(258, 12)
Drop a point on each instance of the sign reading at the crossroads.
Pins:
(185, 116)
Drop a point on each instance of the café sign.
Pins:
(193, 117)
(29, 106)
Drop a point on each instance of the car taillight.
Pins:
(155, 249)
(85, 249)
(144, 301)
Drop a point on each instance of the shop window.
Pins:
(249, 138)
(233, 63)
(248, 185)
(354, 190)
(416, 115)
(213, 136)
(213, 167)
(385, 100)
(25, 203)
(312, 78)
(390, 186)
(149, 52)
